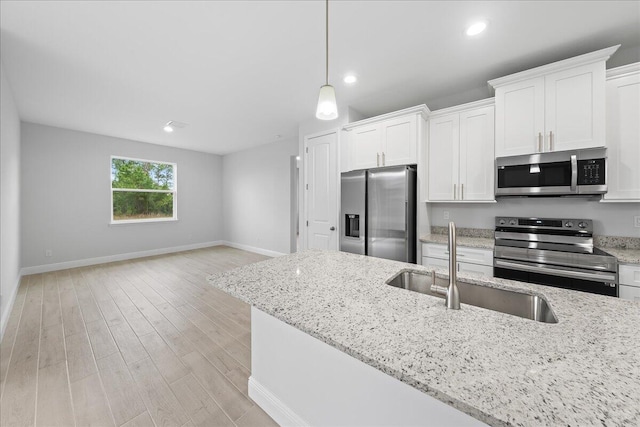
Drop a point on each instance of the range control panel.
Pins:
(585, 225)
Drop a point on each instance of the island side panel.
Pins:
(299, 380)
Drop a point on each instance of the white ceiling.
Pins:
(241, 72)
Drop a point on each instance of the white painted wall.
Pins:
(9, 199)
(609, 219)
(66, 198)
(257, 197)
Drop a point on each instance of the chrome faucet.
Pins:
(452, 296)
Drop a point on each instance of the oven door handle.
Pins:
(574, 172)
(543, 269)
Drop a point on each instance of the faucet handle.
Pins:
(435, 289)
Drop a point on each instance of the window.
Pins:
(142, 190)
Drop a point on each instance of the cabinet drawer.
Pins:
(630, 275)
(475, 269)
(435, 262)
(473, 255)
(434, 250)
(630, 293)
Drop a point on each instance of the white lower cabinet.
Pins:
(630, 282)
(470, 260)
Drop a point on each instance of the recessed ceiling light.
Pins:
(476, 28)
(173, 125)
(350, 79)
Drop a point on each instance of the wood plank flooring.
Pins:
(146, 342)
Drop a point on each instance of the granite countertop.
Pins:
(498, 368)
(625, 256)
(625, 249)
(469, 242)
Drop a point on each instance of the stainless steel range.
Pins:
(553, 252)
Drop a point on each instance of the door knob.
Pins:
(332, 228)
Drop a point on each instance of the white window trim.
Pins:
(143, 221)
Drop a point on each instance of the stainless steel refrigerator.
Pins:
(378, 213)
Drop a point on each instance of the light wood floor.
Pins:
(136, 343)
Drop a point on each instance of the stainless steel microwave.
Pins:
(560, 173)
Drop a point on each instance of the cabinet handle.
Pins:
(454, 192)
(550, 140)
(539, 142)
(383, 160)
(457, 254)
(461, 191)
(378, 159)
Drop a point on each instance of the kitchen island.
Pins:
(497, 368)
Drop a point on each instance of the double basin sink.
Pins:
(507, 301)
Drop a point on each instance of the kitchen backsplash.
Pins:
(598, 241)
(609, 219)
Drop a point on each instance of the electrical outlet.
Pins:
(445, 215)
(48, 252)
(636, 221)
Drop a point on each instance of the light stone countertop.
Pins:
(470, 242)
(625, 256)
(498, 368)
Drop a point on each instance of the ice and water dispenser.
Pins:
(352, 225)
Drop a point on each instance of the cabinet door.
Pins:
(519, 117)
(477, 154)
(574, 108)
(400, 141)
(623, 138)
(444, 134)
(628, 292)
(366, 150)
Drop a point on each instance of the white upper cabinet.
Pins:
(400, 141)
(461, 156)
(560, 106)
(388, 140)
(575, 108)
(520, 117)
(623, 133)
(365, 143)
(444, 134)
(477, 168)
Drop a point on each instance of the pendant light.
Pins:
(327, 107)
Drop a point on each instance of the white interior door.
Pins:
(321, 189)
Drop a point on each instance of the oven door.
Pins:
(543, 179)
(592, 281)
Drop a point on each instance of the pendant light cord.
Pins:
(327, 41)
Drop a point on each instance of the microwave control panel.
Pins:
(591, 172)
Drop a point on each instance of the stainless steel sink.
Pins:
(502, 300)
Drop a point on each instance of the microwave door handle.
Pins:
(574, 172)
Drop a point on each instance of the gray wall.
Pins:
(257, 196)
(609, 219)
(66, 197)
(9, 199)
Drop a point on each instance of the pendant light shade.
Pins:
(327, 106)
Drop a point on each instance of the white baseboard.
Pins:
(248, 248)
(7, 312)
(273, 406)
(112, 258)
